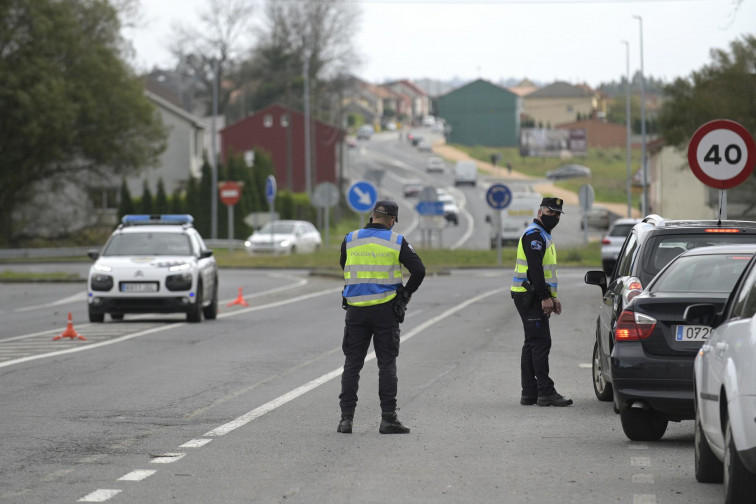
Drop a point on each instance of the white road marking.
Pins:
(643, 478)
(644, 499)
(167, 458)
(57, 475)
(100, 495)
(195, 443)
(137, 475)
(585, 365)
(290, 396)
(640, 461)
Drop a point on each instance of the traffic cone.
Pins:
(239, 300)
(69, 332)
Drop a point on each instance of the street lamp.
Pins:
(643, 122)
(627, 121)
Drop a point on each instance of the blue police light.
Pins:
(136, 219)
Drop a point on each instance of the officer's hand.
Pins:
(547, 305)
(557, 306)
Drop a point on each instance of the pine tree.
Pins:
(146, 205)
(126, 205)
(161, 199)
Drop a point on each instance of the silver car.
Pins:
(284, 237)
(725, 392)
(611, 244)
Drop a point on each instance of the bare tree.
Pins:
(217, 40)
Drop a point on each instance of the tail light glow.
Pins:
(606, 241)
(633, 326)
(723, 230)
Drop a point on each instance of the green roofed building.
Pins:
(481, 113)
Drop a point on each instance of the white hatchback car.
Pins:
(284, 237)
(153, 264)
(435, 164)
(612, 242)
(725, 392)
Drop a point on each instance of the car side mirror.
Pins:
(596, 278)
(205, 254)
(701, 314)
(93, 254)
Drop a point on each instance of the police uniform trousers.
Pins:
(362, 323)
(534, 362)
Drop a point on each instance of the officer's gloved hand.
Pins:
(400, 303)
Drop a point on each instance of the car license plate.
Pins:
(139, 287)
(692, 333)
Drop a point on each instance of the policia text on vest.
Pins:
(374, 299)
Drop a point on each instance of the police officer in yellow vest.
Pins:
(375, 299)
(534, 290)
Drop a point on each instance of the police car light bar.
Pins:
(135, 220)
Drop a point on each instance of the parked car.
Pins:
(725, 392)
(365, 132)
(435, 164)
(598, 217)
(652, 359)
(612, 242)
(416, 139)
(284, 237)
(650, 246)
(424, 146)
(569, 171)
(153, 264)
(451, 210)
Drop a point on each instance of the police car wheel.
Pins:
(211, 311)
(96, 317)
(195, 313)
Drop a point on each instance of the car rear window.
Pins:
(621, 229)
(714, 273)
(662, 249)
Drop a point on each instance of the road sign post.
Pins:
(498, 197)
(722, 155)
(586, 196)
(270, 195)
(230, 192)
(325, 196)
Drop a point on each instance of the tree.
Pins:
(725, 88)
(214, 44)
(126, 205)
(161, 199)
(70, 105)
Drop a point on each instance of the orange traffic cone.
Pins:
(69, 332)
(239, 300)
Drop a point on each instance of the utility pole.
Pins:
(643, 123)
(214, 155)
(627, 122)
(308, 179)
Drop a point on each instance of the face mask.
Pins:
(549, 221)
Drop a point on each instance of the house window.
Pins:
(284, 120)
(268, 120)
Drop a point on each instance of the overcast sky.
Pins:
(574, 41)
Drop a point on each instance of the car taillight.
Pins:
(606, 241)
(723, 230)
(633, 326)
(632, 289)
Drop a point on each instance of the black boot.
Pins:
(345, 425)
(391, 425)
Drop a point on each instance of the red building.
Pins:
(280, 132)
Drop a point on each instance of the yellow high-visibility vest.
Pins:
(372, 272)
(549, 262)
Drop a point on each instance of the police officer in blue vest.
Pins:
(534, 291)
(375, 300)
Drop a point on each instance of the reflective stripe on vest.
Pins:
(372, 271)
(549, 262)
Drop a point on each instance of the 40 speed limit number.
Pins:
(722, 154)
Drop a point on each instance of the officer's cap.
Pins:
(387, 208)
(553, 204)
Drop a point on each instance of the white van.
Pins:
(465, 172)
(516, 217)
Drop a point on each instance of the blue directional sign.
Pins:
(361, 196)
(498, 196)
(430, 208)
(270, 189)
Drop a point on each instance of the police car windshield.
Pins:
(130, 244)
(278, 228)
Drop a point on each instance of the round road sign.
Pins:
(498, 196)
(326, 195)
(230, 192)
(722, 154)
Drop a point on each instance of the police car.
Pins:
(153, 264)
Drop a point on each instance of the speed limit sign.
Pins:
(722, 154)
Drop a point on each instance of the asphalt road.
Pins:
(244, 408)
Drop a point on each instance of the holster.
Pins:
(529, 296)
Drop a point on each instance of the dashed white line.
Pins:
(100, 495)
(167, 458)
(643, 478)
(137, 475)
(644, 499)
(195, 443)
